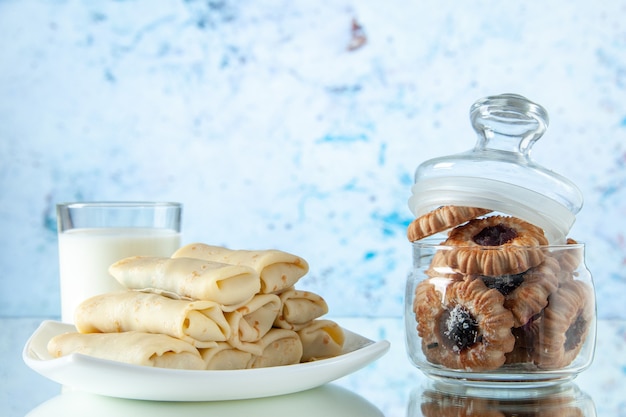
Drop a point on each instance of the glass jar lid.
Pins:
(498, 173)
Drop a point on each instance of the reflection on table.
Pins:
(328, 400)
(432, 399)
(438, 400)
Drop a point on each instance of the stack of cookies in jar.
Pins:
(497, 295)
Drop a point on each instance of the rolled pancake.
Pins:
(321, 339)
(200, 323)
(299, 308)
(188, 277)
(278, 270)
(249, 323)
(225, 357)
(279, 347)
(137, 348)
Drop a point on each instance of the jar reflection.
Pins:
(438, 399)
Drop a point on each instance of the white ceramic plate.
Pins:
(117, 379)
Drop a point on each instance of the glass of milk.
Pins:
(94, 235)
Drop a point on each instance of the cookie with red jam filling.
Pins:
(495, 246)
(463, 324)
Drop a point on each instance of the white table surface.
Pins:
(388, 387)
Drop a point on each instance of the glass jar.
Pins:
(530, 329)
(503, 296)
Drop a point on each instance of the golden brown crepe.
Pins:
(299, 308)
(321, 339)
(279, 347)
(249, 323)
(137, 348)
(200, 323)
(187, 277)
(226, 357)
(278, 270)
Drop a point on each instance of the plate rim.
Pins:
(365, 352)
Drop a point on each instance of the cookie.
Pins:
(463, 325)
(526, 294)
(558, 336)
(495, 245)
(440, 219)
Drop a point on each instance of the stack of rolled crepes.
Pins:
(206, 307)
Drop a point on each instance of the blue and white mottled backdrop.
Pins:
(278, 126)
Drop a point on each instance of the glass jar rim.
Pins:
(438, 244)
(121, 204)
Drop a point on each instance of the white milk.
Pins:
(86, 254)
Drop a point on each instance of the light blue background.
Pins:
(258, 118)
